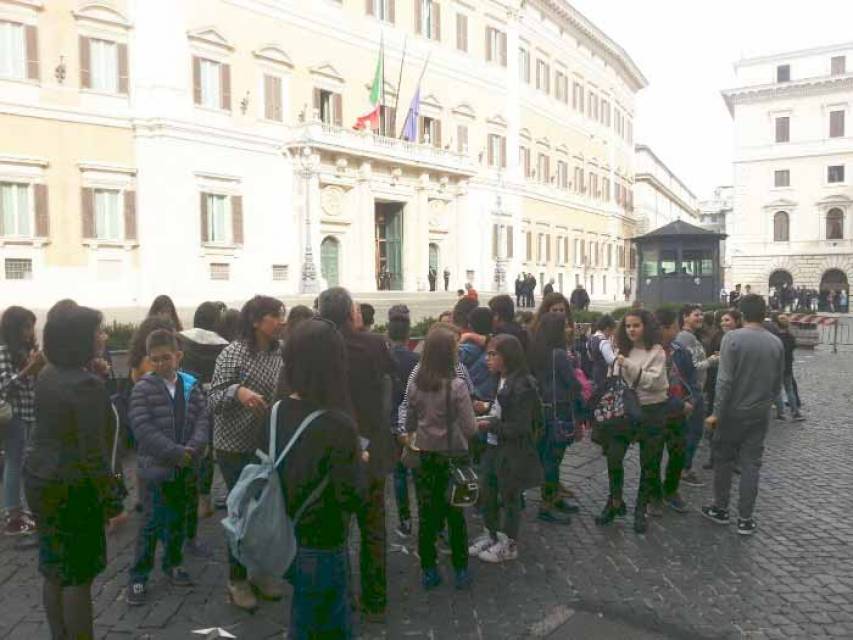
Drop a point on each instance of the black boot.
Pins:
(609, 513)
(640, 518)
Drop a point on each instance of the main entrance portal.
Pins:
(389, 245)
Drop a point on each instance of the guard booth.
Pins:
(679, 262)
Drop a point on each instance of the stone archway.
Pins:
(781, 265)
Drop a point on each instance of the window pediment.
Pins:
(431, 101)
(544, 142)
(464, 110)
(563, 149)
(101, 13)
(834, 201)
(524, 134)
(273, 54)
(326, 71)
(211, 37)
(497, 120)
(782, 204)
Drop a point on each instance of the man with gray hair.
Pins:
(370, 374)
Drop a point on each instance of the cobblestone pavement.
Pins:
(686, 578)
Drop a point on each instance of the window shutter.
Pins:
(269, 108)
(436, 21)
(225, 81)
(32, 52)
(237, 219)
(338, 109)
(317, 101)
(130, 215)
(41, 210)
(418, 16)
(85, 64)
(503, 152)
(196, 79)
(548, 247)
(509, 242)
(203, 227)
(392, 11)
(490, 151)
(461, 138)
(437, 137)
(495, 236)
(488, 44)
(391, 122)
(278, 99)
(503, 49)
(122, 68)
(87, 212)
(369, 8)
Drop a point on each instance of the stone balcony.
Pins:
(367, 145)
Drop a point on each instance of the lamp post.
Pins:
(309, 282)
(499, 278)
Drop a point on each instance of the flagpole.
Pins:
(382, 124)
(400, 80)
(417, 88)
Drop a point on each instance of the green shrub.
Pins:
(119, 335)
(419, 329)
(620, 312)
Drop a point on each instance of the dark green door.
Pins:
(330, 261)
(389, 246)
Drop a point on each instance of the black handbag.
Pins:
(562, 432)
(463, 487)
(616, 406)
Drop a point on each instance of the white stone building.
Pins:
(713, 215)
(660, 196)
(792, 220)
(200, 149)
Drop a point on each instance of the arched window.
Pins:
(835, 224)
(780, 227)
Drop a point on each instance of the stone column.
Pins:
(416, 238)
(363, 246)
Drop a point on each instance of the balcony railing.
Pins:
(369, 145)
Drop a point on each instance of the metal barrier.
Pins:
(830, 331)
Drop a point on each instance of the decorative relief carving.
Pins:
(332, 200)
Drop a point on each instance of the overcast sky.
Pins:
(686, 49)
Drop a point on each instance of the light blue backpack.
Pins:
(259, 532)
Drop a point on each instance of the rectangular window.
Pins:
(783, 73)
(103, 61)
(783, 129)
(605, 113)
(219, 227)
(495, 46)
(577, 97)
(782, 178)
(528, 241)
(108, 215)
(428, 19)
(220, 271)
(280, 272)
(563, 174)
(13, 50)
(835, 174)
(836, 124)
(462, 32)
(381, 9)
(431, 131)
(524, 65)
(462, 138)
(211, 84)
(561, 88)
(839, 65)
(524, 161)
(543, 76)
(15, 210)
(273, 98)
(497, 151)
(543, 168)
(19, 269)
(329, 105)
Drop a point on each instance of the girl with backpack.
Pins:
(440, 419)
(510, 463)
(559, 386)
(641, 362)
(326, 452)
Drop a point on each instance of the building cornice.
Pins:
(657, 185)
(646, 149)
(578, 21)
(795, 89)
(789, 55)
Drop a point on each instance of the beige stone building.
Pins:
(205, 148)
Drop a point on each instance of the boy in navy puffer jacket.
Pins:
(169, 421)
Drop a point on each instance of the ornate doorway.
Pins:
(389, 245)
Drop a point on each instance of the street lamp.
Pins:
(309, 282)
(499, 279)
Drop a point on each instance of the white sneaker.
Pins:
(501, 551)
(483, 542)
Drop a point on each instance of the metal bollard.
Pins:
(835, 337)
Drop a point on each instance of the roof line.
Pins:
(647, 148)
(769, 57)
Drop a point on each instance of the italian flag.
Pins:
(371, 117)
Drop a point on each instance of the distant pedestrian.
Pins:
(549, 288)
(579, 299)
(752, 363)
(432, 275)
(783, 322)
(519, 290)
(446, 279)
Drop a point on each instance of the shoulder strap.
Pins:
(302, 426)
(115, 438)
(554, 382)
(448, 403)
(312, 497)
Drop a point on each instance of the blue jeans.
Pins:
(14, 444)
(163, 519)
(695, 429)
(320, 608)
(788, 390)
